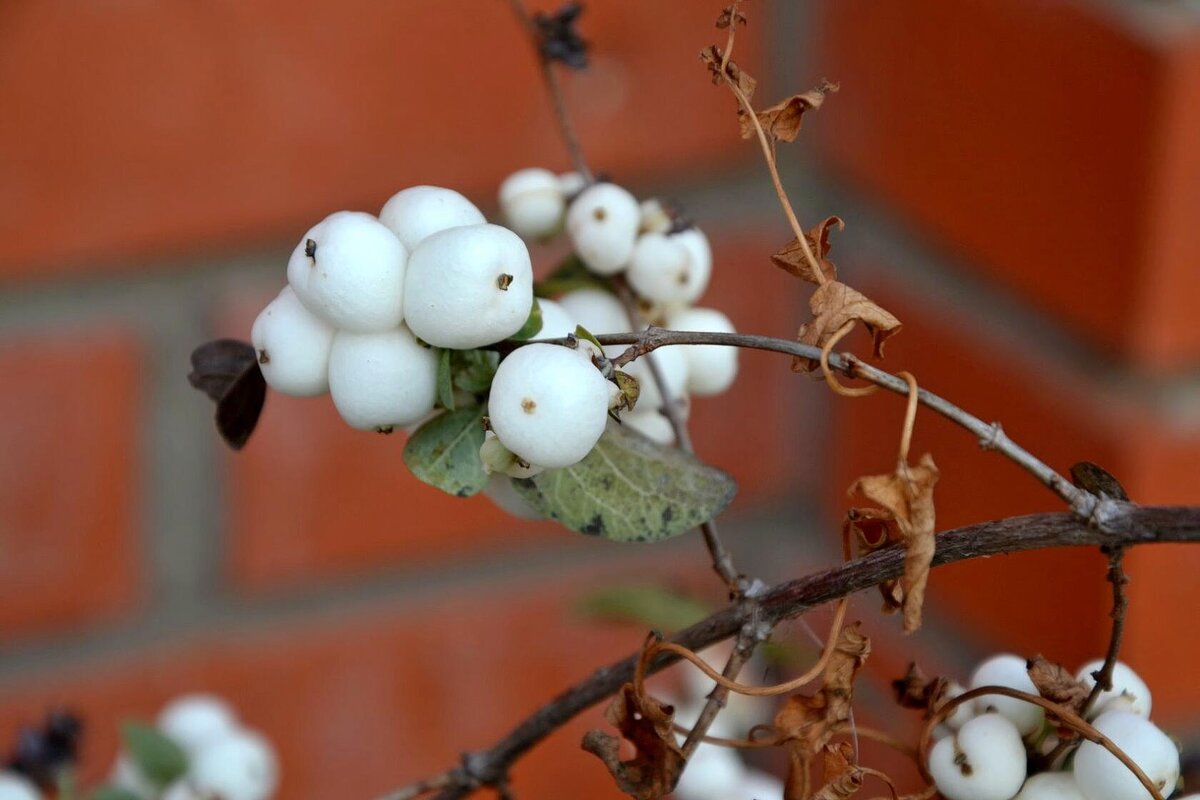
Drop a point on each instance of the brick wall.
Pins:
(1022, 193)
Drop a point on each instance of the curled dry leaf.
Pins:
(712, 56)
(806, 723)
(917, 690)
(792, 259)
(833, 305)
(907, 495)
(1055, 683)
(647, 724)
(781, 122)
(730, 15)
(841, 775)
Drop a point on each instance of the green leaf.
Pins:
(630, 489)
(583, 333)
(532, 326)
(113, 793)
(445, 386)
(157, 757)
(474, 369)
(650, 606)
(569, 276)
(444, 452)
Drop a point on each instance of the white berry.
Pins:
(759, 785)
(15, 786)
(711, 368)
(194, 720)
(468, 286)
(557, 322)
(1051, 786)
(603, 223)
(599, 312)
(1009, 671)
(700, 264)
(1129, 692)
(651, 424)
(985, 760)
(660, 269)
(571, 184)
(181, 790)
(673, 368)
(421, 211)
(713, 773)
(548, 404)
(349, 270)
(380, 381)
(533, 202)
(239, 767)
(1101, 776)
(501, 492)
(962, 712)
(293, 346)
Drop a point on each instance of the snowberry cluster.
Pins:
(224, 759)
(984, 745)
(373, 302)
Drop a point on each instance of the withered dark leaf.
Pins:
(915, 689)
(730, 15)
(228, 372)
(833, 305)
(712, 55)
(558, 38)
(647, 724)
(781, 122)
(1055, 683)
(907, 494)
(1097, 480)
(793, 260)
(841, 775)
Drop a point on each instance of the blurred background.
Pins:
(1020, 181)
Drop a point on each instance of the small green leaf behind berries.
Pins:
(157, 757)
(444, 452)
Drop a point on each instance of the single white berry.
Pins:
(548, 404)
(421, 211)
(293, 346)
(1051, 786)
(984, 760)
(713, 773)
(962, 712)
(599, 312)
(1101, 776)
(468, 287)
(603, 224)
(194, 720)
(760, 785)
(1010, 671)
(501, 492)
(571, 184)
(533, 202)
(241, 766)
(380, 381)
(349, 270)
(15, 786)
(711, 368)
(557, 322)
(1129, 692)
(700, 265)
(653, 216)
(660, 269)
(673, 368)
(651, 424)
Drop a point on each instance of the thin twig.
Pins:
(743, 650)
(1135, 525)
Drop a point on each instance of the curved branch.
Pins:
(1135, 525)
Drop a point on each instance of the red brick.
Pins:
(311, 498)
(136, 131)
(69, 434)
(1049, 142)
(360, 702)
(1053, 602)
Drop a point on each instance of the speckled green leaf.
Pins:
(444, 452)
(630, 489)
(156, 756)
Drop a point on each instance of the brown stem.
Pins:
(1135, 525)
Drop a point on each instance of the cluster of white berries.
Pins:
(369, 299)
(984, 747)
(225, 759)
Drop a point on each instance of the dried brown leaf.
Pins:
(833, 305)
(917, 690)
(782, 121)
(1097, 480)
(793, 260)
(647, 724)
(712, 55)
(907, 494)
(730, 15)
(841, 775)
(1055, 683)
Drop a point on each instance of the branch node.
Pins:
(994, 438)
